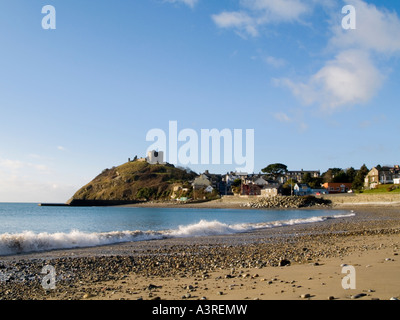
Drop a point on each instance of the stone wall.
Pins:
(353, 198)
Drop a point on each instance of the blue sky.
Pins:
(82, 97)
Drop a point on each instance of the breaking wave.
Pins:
(29, 241)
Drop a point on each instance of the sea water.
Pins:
(27, 227)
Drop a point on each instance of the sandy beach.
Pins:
(285, 263)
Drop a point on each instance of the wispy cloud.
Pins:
(16, 165)
(14, 188)
(282, 117)
(296, 121)
(190, 3)
(370, 123)
(26, 181)
(254, 14)
(275, 62)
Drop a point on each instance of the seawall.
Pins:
(362, 198)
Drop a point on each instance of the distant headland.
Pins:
(150, 179)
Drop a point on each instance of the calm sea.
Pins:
(26, 227)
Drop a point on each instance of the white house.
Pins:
(301, 189)
(396, 180)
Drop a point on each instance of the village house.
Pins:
(382, 175)
(333, 187)
(225, 187)
(256, 185)
(260, 181)
(215, 179)
(250, 190)
(201, 182)
(298, 175)
(271, 190)
(301, 189)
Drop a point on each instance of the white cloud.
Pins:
(257, 13)
(10, 164)
(238, 20)
(353, 73)
(351, 78)
(23, 181)
(275, 62)
(16, 165)
(377, 30)
(277, 10)
(190, 3)
(22, 189)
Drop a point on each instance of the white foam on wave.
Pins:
(29, 241)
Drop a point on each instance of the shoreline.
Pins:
(225, 266)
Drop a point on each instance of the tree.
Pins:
(306, 178)
(315, 183)
(340, 177)
(351, 174)
(274, 171)
(287, 188)
(358, 182)
(330, 175)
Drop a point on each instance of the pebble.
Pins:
(305, 296)
(284, 262)
(359, 295)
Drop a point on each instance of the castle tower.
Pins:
(155, 157)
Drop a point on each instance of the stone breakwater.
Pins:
(286, 202)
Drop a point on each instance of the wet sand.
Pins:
(286, 263)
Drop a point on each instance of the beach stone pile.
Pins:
(286, 202)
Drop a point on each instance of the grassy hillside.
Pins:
(134, 181)
(384, 188)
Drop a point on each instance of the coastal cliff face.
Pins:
(132, 182)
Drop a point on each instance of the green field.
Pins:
(385, 188)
